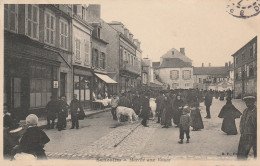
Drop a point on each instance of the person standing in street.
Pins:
(185, 123)
(229, 112)
(114, 104)
(52, 110)
(145, 109)
(62, 114)
(248, 129)
(208, 102)
(136, 103)
(177, 110)
(159, 106)
(75, 108)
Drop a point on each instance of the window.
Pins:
(104, 60)
(174, 74)
(96, 58)
(187, 84)
(144, 78)
(199, 80)
(64, 34)
(251, 52)
(254, 50)
(236, 60)
(11, 17)
(40, 85)
(175, 85)
(251, 70)
(49, 36)
(77, 49)
(32, 21)
(100, 64)
(83, 13)
(186, 74)
(86, 52)
(98, 32)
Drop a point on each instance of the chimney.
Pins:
(202, 65)
(209, 64)
(182, 50)
(226, 65)
(94, 10)
(126, 32)
(229, 64)
(131, 36)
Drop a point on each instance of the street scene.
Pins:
(130, 81)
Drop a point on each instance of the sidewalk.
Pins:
(42, 121)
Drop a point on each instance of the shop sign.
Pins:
(55, 84)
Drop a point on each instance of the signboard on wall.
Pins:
(55, 84)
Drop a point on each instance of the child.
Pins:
(33, 140)
(185, 122)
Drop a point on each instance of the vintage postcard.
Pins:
(129, 82)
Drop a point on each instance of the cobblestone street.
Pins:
(104, 139)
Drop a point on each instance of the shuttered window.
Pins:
(11, 17)
(32, 21)
(49, 26)
(64, 34)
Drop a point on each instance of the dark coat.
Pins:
(125, 102)
(52, 109)
(145, 108)
(64, 108)
(176, 111)
(208, 100)
(75, 107)
(248, 123)
(136, 104)
(159, 104)
(196, 120)
(229, 112)
(33, 142)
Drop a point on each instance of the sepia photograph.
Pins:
(148, 81)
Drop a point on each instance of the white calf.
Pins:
(126, 112)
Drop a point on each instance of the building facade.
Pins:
(37, 56)
(215, 78)
(245, 69)
(81, 59)
(176, 70)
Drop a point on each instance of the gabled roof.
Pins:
(174, 63)
(155, 65)
(223, 71)
(173, 53)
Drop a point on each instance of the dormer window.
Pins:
(172, 52)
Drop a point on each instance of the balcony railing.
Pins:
(130, 68)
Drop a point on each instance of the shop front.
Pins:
(82, 86)
(29, 74)
(103, 86)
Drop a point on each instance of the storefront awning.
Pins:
(105, 78)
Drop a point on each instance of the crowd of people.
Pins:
(182, 108)
(173, 107)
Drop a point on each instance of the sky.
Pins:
(203, 27)
(207, 32)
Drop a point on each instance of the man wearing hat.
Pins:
(248, 128)
(145, 109)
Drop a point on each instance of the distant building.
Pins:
(215, 78)
(175, 70)
(245, 69)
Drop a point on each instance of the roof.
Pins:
(106, 78)
(174, 63)
(210, 70)
(155, 65)
(173, 53)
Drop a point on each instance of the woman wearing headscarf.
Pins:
(196, 120)
(229, 112)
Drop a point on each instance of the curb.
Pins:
(88, 115)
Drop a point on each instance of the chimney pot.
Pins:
(209, 64)
(202, 65)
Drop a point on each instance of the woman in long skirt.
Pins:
(166, 115)
(229, 112)
(177, 110)
(196, 120)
